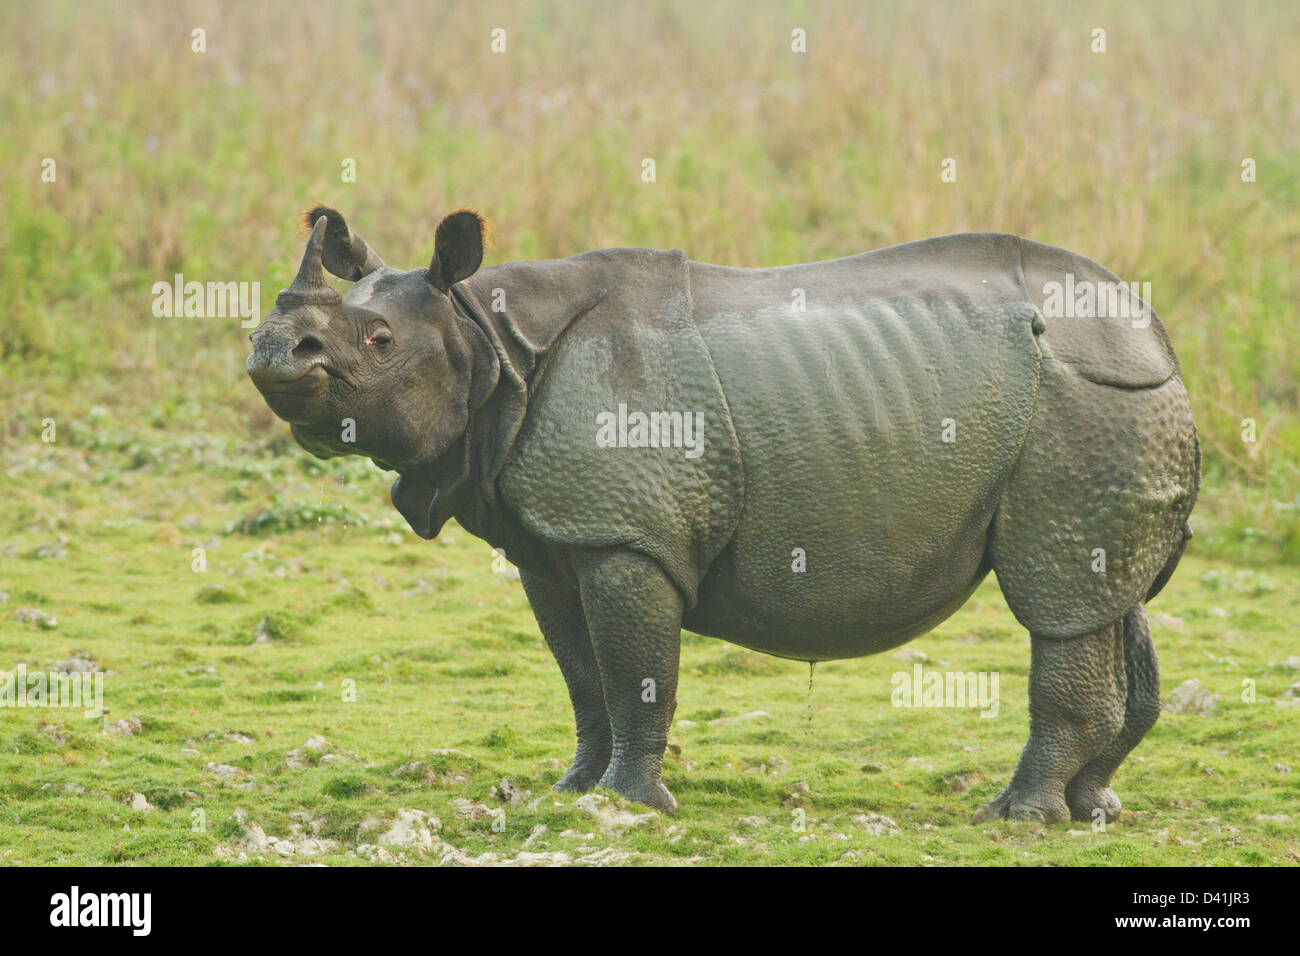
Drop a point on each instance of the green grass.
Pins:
(448, 670)
(173, 161)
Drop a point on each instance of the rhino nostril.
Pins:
(309, 346)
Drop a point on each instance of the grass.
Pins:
(174, 161)
(423, 670)
(763, 156)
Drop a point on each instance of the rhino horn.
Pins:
(309, 285)
(309, 274)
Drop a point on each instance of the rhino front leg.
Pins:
(634, 616)
(560, 617)
(1076, 708)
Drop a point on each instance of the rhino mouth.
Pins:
(296, 400)
(308, 383)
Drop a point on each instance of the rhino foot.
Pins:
(1014, 804)
(1084, 800)
(583, 775)
(650, 791)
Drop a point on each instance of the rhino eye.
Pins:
(380, 337)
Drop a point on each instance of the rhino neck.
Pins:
(431, 492)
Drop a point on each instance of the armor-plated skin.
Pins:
(878, 433)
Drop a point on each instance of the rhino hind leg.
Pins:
(634, 615)
(1090, 790)
(560, 617)
(1077, 708)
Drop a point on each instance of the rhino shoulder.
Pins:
(627, 439)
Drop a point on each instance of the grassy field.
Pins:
(171, 161)
(453, 690)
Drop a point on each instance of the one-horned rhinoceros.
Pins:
(815, 461)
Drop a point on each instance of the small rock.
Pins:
(796, 794)
(35, 617)
(140, 803)
(295, 758)
(911, 655)
(56, 732)
(469, 809)
(1291, 663)
(877, 824)
(610, 817)
(126, 727)
(411, 830)
(1167, 620)
(509, 793)
(222, 771)
(1191, 697)
(254, 838)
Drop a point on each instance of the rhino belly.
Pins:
(876, 435)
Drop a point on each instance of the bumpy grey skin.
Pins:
(867, 460)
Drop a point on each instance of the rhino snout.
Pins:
(280, 356)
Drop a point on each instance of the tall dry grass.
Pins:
(171, 161)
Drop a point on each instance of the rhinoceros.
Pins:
(814, 461)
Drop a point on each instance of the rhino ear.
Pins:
(345, 254)
(457, 249)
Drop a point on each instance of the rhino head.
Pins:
(390, 370)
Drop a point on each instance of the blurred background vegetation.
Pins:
(174, 161)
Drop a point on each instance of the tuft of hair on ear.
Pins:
(307, 219)
(462, 225)
(336, 227)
